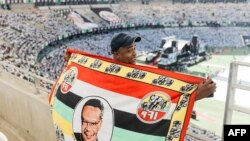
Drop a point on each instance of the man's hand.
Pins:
(205, 89)
(66, 56)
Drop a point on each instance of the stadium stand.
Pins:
(34, 39)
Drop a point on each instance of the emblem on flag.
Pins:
(153, 107)
(70, 76)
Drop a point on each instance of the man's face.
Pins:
(91, 123)
(126, 54)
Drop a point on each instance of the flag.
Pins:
(139, 103)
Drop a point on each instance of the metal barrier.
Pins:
(234, 84)
(40, 83)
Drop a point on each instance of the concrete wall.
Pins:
(28, 113)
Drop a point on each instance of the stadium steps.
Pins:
(24, 114)
(11, 132)
(90, 15)
(195, 132)
(21, 7)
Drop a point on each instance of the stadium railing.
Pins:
(39, 82)
(233, 84)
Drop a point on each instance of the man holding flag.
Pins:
(145, 103)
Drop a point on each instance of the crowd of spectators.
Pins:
(29, 32)
(197, 14)
(151, 40)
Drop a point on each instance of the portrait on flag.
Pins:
(99, 121)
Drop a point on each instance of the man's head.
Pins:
(123, 48)
(92, 114)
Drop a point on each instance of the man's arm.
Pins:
(205, 89)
